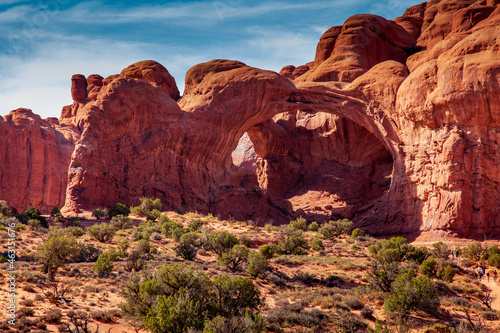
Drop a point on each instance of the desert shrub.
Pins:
(357, 233)
(26, 302)
(292, 245)
(135, 262)
(102, 232)
(473, 251)
(397, 249)
(257, 264)
(220, 242)
(348, 323)
(53, 316)
(33, 213)
(27, 311)
(149, 208)
(334, 229)
(417, 254)
(314, 226)
(143, 247)
(195, 225)
(137, 235)
(440, 250)
(88, 253)
(191, 238)
(121, 222)
(317, 245)
(245, 241)
(179, 297)
(446, 273)
(299, 224)
(244, 324)
(34, 224)
(118, 209)
(177, 233)
(168, 226)
(156, 236)
(354, 303)
(76, 231)
(383, 275)
(102, 316)
(186, 251)
(428, 267)
(367, 312)
(99, 213)
(56, 250)
(104, 264)
(234, 258)
(268, 250)
(4, 209)
(494, 260)
(289, 315)
(150, 226)
(123, 247)
(411, 293)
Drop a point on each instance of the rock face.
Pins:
(395, 124)
(34, 159)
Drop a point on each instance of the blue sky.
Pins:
(43, 43)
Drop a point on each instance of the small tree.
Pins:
(440, 250)
(268, 250)
(234, 258)
(299, 224)
(428, 267)
(186, 251)
(118, 209)
(99, 213)
(121, 222)
(257, 264)
(102, 232)
(104, 264)
(33, 213)
(334, 229)
(56, 212)
(56, 250)
(446, 273)
(317, 245)
(221, 242)
(412, 294)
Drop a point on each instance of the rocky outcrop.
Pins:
(396, 125)
(34, 158)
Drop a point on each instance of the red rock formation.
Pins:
(395, 125)
(34, 159)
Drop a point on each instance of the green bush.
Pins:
(494, 260)
(88, 253)
(33, 213)
(473, 252)
(177, 233)
(234, 258)
(148, 208)
(334, 229)
(257, 264)
(191, 238)
(56, 212)
(221, 242)
(317, 245)
(292, 245)
(440, 250)
(428, 267)
(121, 222)
(99, 213)
(118, 209)
(195, 225)
(169, 226)
(143, 247)
(268, 250)
(299, 224)
(357, 233)
(102, 232)
(186, 251)
(411, 293)
(178, 298)
(104, 264)
(314, 226)
(56, 250)
(446, 273)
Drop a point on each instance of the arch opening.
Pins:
(327, 166)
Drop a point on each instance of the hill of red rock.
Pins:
(394, 124)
